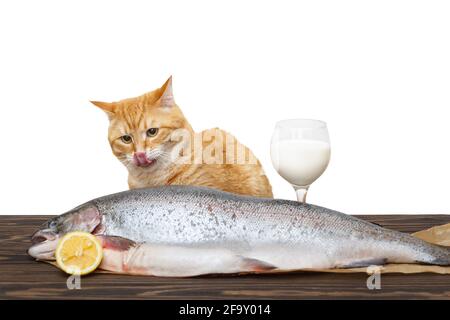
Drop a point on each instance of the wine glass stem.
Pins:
(301, 194)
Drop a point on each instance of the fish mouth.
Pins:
(42, 235)
(44, 244)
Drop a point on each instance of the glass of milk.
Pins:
(300, 152)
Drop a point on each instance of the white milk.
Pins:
(300, 162)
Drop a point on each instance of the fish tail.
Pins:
(443, 258)
(438, 255)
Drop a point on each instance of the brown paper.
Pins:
(438, 235)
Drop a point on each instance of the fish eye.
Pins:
(152, 132)
(126, 138)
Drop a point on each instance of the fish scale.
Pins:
(186, 230)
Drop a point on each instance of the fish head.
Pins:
(86, 218)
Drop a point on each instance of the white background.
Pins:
(377, 71)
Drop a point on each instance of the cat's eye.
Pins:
(126, 138)
(152, 132)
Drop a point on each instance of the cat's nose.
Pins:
(141, 159)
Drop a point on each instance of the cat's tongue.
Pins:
(141, 160)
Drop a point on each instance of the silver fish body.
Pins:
(181, 230)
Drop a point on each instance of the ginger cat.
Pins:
(151, 137)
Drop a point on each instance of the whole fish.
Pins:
(188, 231)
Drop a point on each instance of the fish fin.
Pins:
(363, 263)
(377, 224)
(256, 265)
(116, 243)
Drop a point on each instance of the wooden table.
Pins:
(23, 278)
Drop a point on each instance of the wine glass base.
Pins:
(301, 193)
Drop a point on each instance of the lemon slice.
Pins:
(78, 253)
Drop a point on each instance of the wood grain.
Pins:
(23, 278)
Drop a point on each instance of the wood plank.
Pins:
(23, 278)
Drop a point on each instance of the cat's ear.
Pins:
(108, 107)
(166, 99)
